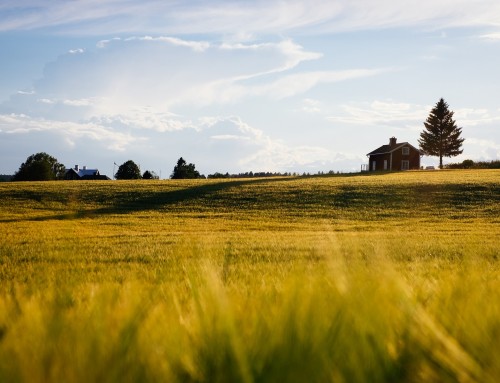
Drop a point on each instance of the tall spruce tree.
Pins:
(441, 136)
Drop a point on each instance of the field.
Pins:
(355, 278)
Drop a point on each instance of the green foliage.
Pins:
(40, 167)
(150, 175)
(183, 170)
(441, 136)
(5, 178)
(128, 171)
(379, 278)
(469, 164)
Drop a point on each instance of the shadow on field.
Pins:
(370, 201)
(135, 200)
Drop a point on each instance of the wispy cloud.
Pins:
(241, 18)
(311, 106)
(165, 72)
(198, 46)
(46, 101)
(294, 84)
(381, 113)
(495, 37)
(475, 117)
(79, 102)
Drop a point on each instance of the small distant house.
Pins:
(402, 156)
(83, 173)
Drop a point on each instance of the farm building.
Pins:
(83, 173)
(394, 156)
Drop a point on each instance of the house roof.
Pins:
(385, 149)
(84, 172)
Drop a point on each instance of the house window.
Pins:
(406, 151)
(385, 164)
(405, 165)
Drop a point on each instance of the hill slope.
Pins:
(388, 277)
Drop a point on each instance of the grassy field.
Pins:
(362, 278)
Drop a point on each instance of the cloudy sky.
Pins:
(236, 86)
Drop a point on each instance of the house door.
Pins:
(374, 165)
(385, 164)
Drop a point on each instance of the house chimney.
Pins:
(392, 141)
(76, 168)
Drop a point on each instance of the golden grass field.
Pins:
(354, 278)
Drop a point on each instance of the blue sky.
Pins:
(236, 86)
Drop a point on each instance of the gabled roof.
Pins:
(385, 149)
(84, 172)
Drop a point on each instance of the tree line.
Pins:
(470, 164)
(44, 167)
(182, 170)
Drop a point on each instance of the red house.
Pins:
(394, 156)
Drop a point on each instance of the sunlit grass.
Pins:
(379, 278)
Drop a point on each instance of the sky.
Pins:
(239, 86)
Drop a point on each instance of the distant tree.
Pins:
(183, 170)
(128, 171)
(441, 136)
(149, 175)
(467, 164)
(40, 167)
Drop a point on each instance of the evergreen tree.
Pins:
(128, 171)
(40, 167)
(150, 175)
(184, 170)
(441, 136)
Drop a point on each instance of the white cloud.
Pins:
(167, 73)
(46, 101)
(105, 43)
(311, 106)
(479, 149)
(381, 113)
(76, 51)
(491, 36)
(252, 149)
(144, 118)
(23, 124)
(198, 46)
(244, 18)
(474, 117)
(293, 52)
(228, 137)
(294, 84)
(80, 102)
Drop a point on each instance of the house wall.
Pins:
(71, 175)
(379, 159)
(395, 163)
(413, 157)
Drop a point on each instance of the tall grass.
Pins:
(391, 278)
